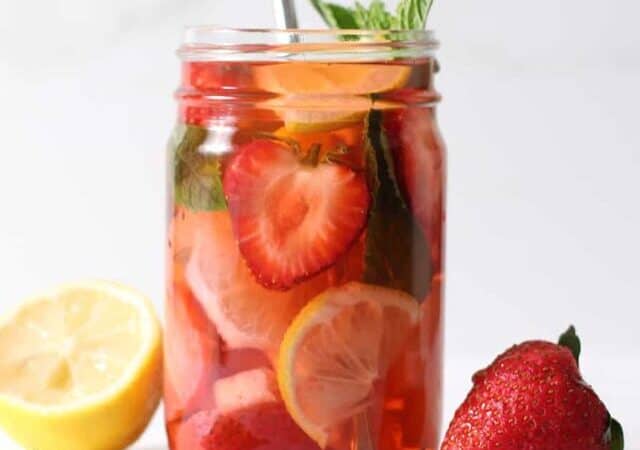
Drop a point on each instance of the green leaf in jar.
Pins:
(397, 251)
(197, 176)
(410, 15)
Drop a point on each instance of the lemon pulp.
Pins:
(80, 368)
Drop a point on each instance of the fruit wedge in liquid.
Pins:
(306, 209)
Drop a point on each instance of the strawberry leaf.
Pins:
(570, 340)
(615, 435)
(197, 175)
(397, 252)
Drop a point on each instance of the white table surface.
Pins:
(539, 113)
(613, 379)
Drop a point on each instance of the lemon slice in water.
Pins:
(317, 78)
(337, 347)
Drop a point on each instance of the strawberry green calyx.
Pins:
(615, 435)
(570, 340)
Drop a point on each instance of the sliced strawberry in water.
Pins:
(191, 355)
(206, 76)
(267, 426)
(292, 219)
(248, 415)
(230, 434)
(419, 154)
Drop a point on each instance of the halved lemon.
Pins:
(310, 78)
(80, 368)
(335, 350)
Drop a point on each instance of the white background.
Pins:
(540, 113)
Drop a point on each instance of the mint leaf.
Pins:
(374, 18)
(336, 16)
(197, 175)
(397, 252)
(412, 14)
(570, 340)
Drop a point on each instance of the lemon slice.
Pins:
(329, 78)
(336, 348)
(313, 114)
(320, 114)
(80, 368)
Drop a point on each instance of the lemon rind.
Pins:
(306, 319)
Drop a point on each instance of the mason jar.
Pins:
(304, 304)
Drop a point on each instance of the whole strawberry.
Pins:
(532, 397)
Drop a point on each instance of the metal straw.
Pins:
(285, 12)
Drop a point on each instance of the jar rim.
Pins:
(211, 42)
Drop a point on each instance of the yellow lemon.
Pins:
(320, 114)
(336, 348)
(80, 368)
(314, 114)
(317, 78)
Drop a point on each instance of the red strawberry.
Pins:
(191, 355)
(418, 151)
(532, 397)
(266, 426)
(292, 216)
(200, 78)
(203, 76)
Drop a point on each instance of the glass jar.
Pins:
(305, 244)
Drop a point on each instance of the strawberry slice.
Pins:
(191, 354)
(418, 150)
(292, 216)
(265, 426)
(204, 76)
